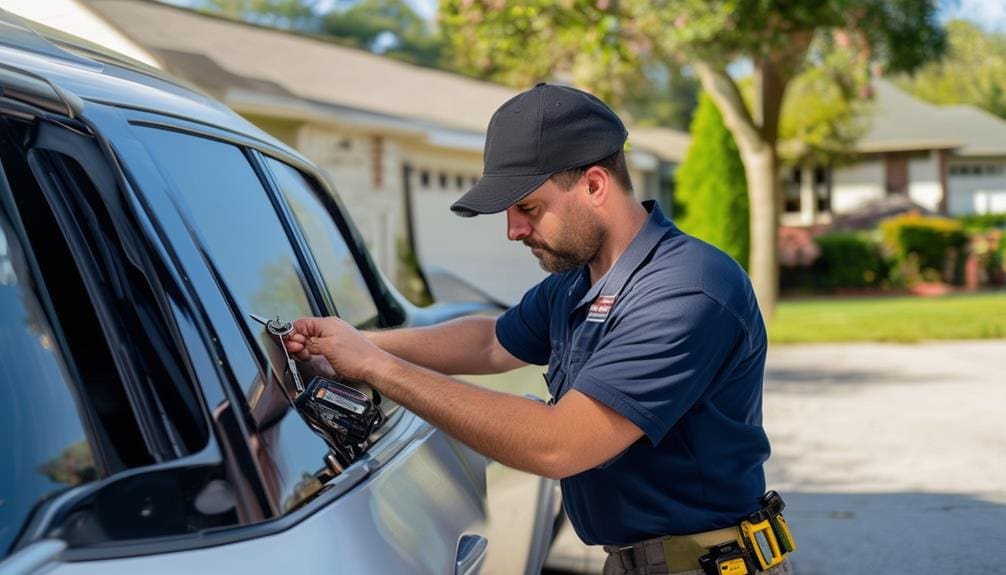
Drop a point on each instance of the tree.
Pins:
(390, 27)
(520, 43)
(973, 71)
(711, 192)
(664, 95)
(291, 14)
(774, 36)
(387, 26)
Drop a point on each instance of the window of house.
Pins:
(974, 170)
(822, 188)
(791, 191)
(443, 180)
(339, 268)
(424, 178)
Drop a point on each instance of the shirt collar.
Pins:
(611, 283)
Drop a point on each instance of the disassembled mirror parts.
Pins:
(343, 416)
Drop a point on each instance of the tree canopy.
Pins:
(973, 71)
(292, 14)
(594, 42)
(388, 26)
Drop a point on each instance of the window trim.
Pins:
(9, 211)
(156, 437)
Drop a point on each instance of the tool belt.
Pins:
(760, 542)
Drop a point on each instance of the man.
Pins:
(654, 344)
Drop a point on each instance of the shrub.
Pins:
(984, 222)
(925, 248)
(711, 189)
(985, 259)
(850, 260)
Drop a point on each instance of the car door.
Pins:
(413, 503)
(521, 508)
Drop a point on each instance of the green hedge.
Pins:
(925, 248)
(850, 260)
(983, 222)
(846, 260)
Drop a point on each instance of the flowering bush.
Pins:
(926, 248)
(797, 247)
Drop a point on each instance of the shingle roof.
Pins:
(902, 122)
(200, 49)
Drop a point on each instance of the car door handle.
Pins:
(471, 553)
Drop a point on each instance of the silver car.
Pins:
(146, 418)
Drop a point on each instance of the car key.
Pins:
(281, 329)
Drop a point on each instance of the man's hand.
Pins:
(350, 353)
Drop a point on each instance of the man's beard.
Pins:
(577, 243)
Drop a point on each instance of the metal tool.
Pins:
(281, 329)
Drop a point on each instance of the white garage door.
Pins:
(475, 249)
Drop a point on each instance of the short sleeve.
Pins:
(523, 329)
(659, 358)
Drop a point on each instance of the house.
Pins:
(946, 159)
(400, 142)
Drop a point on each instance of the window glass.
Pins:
(41, 433)
(343, 279)
(229, 206)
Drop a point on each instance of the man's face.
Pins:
(560, 227)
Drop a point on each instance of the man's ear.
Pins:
(599, 184)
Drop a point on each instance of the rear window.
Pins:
(46, 449)
(343, 279)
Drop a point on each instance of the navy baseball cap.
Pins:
(535, 134)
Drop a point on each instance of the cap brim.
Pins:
(495, 193)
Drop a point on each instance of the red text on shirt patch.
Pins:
(600, 308)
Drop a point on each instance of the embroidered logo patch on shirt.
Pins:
(600, 308)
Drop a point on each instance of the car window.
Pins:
(42, 436)
(241, 232)
(343, 279)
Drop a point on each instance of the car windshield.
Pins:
(42, 437)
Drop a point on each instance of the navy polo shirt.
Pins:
(672, 339)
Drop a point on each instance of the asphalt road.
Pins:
(891, 458)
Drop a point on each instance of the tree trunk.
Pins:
(757, 146)
(761, 169)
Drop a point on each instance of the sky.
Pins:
(990, 14)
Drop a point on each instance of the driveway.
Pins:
(891, 458)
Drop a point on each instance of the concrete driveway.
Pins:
(892, 458)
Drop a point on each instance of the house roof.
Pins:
(219, 54)
(902, 122)
(255, 66)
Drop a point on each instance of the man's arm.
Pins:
(466, 345)
(557, 441)
(576, 434)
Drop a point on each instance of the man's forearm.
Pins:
(507, 428)
(461, 346)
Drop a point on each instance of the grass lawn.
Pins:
(900, 319)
